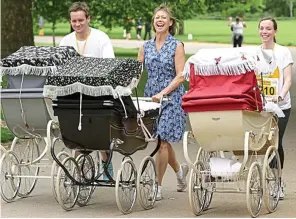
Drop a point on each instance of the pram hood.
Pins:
(94, 77)
(230, 61)
(36, 60)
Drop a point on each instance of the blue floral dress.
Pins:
(161, 71)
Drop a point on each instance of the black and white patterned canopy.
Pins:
(94, 76)
(36, 60)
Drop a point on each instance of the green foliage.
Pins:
(234, 7)
(52, 11)
(280, 7)
(4, 82)
(6, 135)
(115, 13)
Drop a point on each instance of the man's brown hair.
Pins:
(79, 6)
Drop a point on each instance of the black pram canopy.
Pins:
(36, 60)
(94, 77)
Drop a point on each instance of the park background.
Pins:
(206, 20)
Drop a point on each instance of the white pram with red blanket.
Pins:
(238, 138)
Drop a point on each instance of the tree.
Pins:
(112, 13)
(52, 11)
(291, 6)
(16, 25)
(280, 7)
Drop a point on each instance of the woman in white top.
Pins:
(280, 79)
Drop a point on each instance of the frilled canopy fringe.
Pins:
(53, 92)
(207, 70)
(28, 70)
(36, 60)
(229, 61)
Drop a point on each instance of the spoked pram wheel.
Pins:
(147, 183)
(87, 168)
(204, 157)
(271, 174)
(10, 168)
(125, 186)
(254, 190)
(28, 152)
(196, 188)
(54, 169)
(67, 189)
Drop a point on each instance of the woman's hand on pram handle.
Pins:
(159, 97)
(277, 99)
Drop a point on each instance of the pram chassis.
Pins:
(132, 180)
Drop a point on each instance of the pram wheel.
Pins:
(196, 188)
(125, 186)
(54, 169)
(28, 150)
(87, 168)
(67, 190)
(147, 183)
(29, 154)
(204, 157)
(254, 190)
(271, 178)
(10, 185)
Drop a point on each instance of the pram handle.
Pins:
(148, 98)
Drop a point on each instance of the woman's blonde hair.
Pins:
(165, 8)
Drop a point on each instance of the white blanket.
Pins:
(146, 105)
(230, 61)
(273, 108)
(223, 167)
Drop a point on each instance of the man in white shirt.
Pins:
(88, 42)
(237, 28)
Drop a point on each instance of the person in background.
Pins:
(88, 42)
(128, 24)
(164, 59)
(41, 26)
(139, 26)
(237, 29)
(280, 78)
(147, 31)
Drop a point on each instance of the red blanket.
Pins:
(222, 92)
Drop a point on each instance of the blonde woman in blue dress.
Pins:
(164, 59)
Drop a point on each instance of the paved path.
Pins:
(42, 204)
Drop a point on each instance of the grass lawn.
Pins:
(215, 31)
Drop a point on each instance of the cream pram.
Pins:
(227, 116)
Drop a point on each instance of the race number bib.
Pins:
(269, 87)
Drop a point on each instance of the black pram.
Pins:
(93, 103)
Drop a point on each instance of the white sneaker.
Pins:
(181, 182)
(159, 194)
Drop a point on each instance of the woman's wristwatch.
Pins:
(280, 98)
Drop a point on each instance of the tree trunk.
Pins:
(291, 9)
(16, 25)
(181, 28)
(53, 33)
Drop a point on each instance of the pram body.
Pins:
(224, 106)
(107, 113)
(95, 111)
